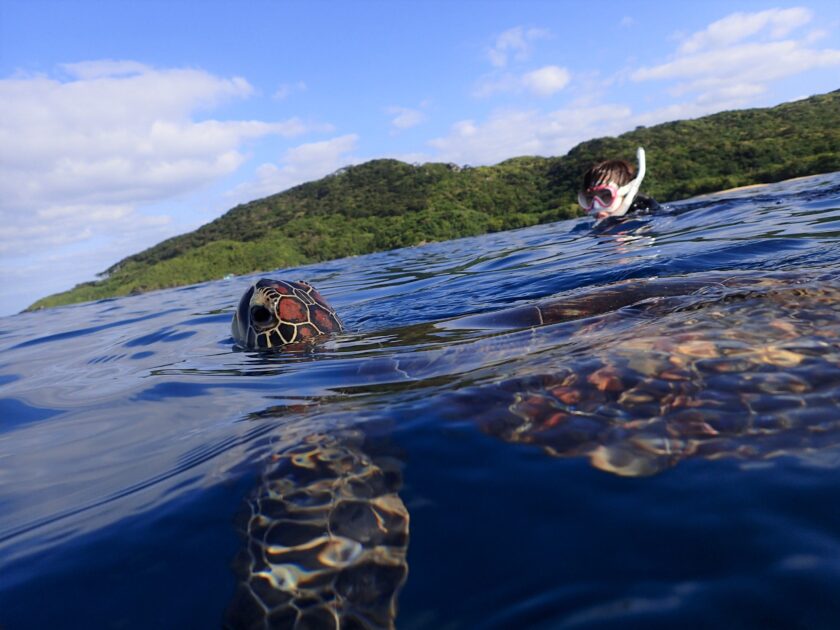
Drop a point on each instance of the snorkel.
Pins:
(630, 190)
(609, 200)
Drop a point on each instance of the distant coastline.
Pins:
(387, 204)
(753, 186)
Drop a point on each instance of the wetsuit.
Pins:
(643, 204)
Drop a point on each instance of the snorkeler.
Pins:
(609, 189)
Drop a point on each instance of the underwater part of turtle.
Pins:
(326, 539)
(657, 371)
(642, 374)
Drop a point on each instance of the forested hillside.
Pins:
(384, 204)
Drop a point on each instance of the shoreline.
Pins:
(752, 186)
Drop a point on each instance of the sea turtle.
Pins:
(653, 371)
(326, 532)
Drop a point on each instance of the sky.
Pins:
(125, 123)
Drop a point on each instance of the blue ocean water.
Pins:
(132, 430)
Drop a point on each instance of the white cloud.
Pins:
(299, 164)
(815, 35)
(724, 66)
(496, 83)
(63, 225)
(735, 58)
(516, 42)
(746, 62)
(546, 81)
(507, 134)
(104, 68)
(738, 26)
(118, 138)
(287, 89)
(82, 155)
(56, 255)
(542, 82)
(627, 22)
(405, 117)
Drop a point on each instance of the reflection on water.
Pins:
(692, 355)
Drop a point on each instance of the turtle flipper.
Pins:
(327, 539)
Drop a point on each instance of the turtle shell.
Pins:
(275, 313)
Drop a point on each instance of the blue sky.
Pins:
(124, 123)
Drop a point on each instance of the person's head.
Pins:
(609, 187)
(618, 172)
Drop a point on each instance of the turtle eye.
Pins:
(261, 316)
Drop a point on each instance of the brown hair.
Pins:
(618, 171)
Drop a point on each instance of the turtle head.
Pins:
(275, 313)
(260, 310)
(256, 314)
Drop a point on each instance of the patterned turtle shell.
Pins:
(274, 313)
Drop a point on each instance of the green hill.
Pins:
(385, 204)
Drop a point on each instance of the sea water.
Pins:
(132, 431)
